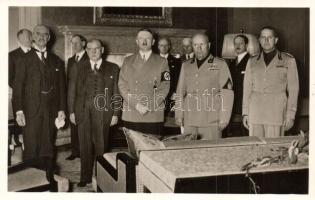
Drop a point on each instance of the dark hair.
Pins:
(145, 29)
(22, 31)
(82, 38)
(245, 38)
(269, 28)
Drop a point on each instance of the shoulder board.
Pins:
(287, 54)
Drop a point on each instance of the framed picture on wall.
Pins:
(133, 16)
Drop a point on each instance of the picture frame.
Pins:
(133, 16)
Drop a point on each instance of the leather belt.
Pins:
(47, 92)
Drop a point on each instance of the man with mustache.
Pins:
(38, 98)
(144, 83)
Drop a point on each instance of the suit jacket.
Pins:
(144, 82)
(14, 57)
(27, 85)
(204, 95)
(71, 62)
(77, 90)
(237, 72)
(271, 92)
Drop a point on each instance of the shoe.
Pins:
(71, 157)
(82, 183)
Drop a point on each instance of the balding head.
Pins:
(41, 36)
(201, 45)
(24, 37)
(187, 45)
(94, 49)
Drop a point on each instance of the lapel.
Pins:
(241, 65)
(37, 61)
(274, 62)
(104, 70)
(141, 67)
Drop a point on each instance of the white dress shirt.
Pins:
(98, 64)
(241, 56)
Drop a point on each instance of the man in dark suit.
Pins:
(78, 45)
(187, 49)
(94, 105)
(38, 98)
(24, 37)
(237, 69)
(174, 64)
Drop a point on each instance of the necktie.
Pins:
(143, 57)
(77, 58)
(43, 57)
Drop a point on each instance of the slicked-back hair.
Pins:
(82, 38)
(145, 29)
(22, 31)
(269, 28)
(242, 36)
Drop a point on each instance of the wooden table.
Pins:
(216, 168)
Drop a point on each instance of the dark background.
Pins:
(292, 25)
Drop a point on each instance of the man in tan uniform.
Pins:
(144, 82)
(204, 97)
(271, 88)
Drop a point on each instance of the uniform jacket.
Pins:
(204, 96)
(27, 85)
(238, 71)
(14, 57)
(265, 100)
(77, 95)
(145, 82)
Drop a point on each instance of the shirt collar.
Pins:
(25, 49)
(147, 54)
(38, 50)
(80, 54)
(99, 62)
(164, 55)
(241, 56)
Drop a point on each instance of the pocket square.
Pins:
(111, 77)
(57, 69)
(242, 72)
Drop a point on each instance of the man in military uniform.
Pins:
(204, 96)
(271, 88)
(78, 43)
(144, 83)
(174, 64)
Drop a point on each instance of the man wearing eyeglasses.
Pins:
(38, 98)
(204, 95)
(94, 105)
(271, 87)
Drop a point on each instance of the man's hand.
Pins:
(61, 115)
(288, 124)
(114, 121)
(72, 118)
(245, 121)
(179, 121)
(20, 119)
(141, 108)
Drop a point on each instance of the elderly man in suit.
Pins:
(237, 69)
(271, 87)
(174, 64)
(204, 96)
(78, 43)
(94, 105)
(144, 83)
(188, 52)
(38, 98)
